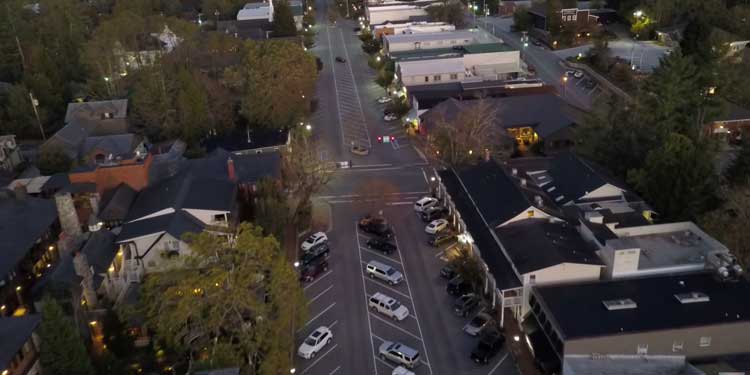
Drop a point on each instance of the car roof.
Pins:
(377, 264)
(426, 199)
(408, 351)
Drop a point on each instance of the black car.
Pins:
(381, 244)
(312, 270)
(376, 225)
(489, 345)
(448, 272)
(458, 286)
(589, 84)
(441, 238)
(465, 304)
(434, 213)
(318, 251)
(340, 59)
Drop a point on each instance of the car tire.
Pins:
(382, 356)
(374, 309)
(312, 355)
(329, 341)
(325, 269)
(390, 283)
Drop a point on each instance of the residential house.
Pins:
(395, 28)
(298, 12)
(30, 230)
(252, 29)
(699, 316)
(10, 154)
(147, 49)
(412, 42)
(249, 141)
(403, 11)
(19, 348)
(256, 11)
(583, 18)
(732, 125)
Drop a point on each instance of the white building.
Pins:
(256, 11)
(411, 28)
(377, 15)
(412, 42)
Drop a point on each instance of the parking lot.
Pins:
(338, 299)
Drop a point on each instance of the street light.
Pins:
(308, 127)
(292, 370)
(565, 81)
(377, 58)
(296, 264)
(638, 13)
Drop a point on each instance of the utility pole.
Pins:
(347, 8)
(34, 104)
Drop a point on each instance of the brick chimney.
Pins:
(230, 170)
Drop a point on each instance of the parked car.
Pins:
(448, 272)
(388, 306)
(441, 238)
(465, 304)
(315, 268)
(319, 251)
(399, 353)
(489, 345)
(401, 371)
(433, 213)
(458, 286)
(381, 244)
(478, 323)
(589, 84)
(436, 226)
(321, 337)
(314, 239)
(375, 225)
(390, 117)
(340, 59)
(383, 272)
(578, 74)
(424, 203)
(385, 99)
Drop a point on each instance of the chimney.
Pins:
(20, 192)
(539, 201)
(66, 211)
(232, 174)
(486, 154)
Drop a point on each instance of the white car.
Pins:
(315, 342)
(388, 306)
(578, 74)
(314, 240)
(436, 226)
(384, 99)
(401, 371)
(390, 117)
(424, 203)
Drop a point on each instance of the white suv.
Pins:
(314, 240)
(384, 272)
(424, 203)
(315, 342)
(388, 306)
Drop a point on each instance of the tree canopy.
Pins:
(62, 349)
(283, 19)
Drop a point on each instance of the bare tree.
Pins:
(303, 173)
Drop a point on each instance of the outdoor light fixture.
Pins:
(432, 179)
(516, 338)
(296, 264)
(308, 127)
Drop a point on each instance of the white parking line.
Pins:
(364, 291)
(381, 255)
(378, 337)
(319, 295)
(498, 364)
(397, 203)
(385, 363)
(387, 287)
(397, 327)
(425, 176)
(315, 281)
(317, 316)
(319, 358)
(335, 370)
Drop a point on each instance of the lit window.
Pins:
(677, 346)
(705, 341)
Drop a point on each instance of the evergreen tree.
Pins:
(62, 349)
(739, 171)
(283, 20)
(696, 41)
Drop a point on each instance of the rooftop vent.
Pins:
(620, 304)
(692, 297)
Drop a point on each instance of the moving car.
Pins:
(310, 271)
(448, 272)
(340, 59)
(375, 225)
(433, 213)
(465, 304)
(388, 306)
(390, 117)
(383, 272)
(489, 345)
(381, 244)
(436, 226)
(440, 239)
(424, 203)
(314, 239)
(478, 323)
(384, 99)
(578, 74)
(399, 353)
(458, 286)
(321, 337)
(319, 251)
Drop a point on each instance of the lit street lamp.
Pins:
(565, 81)
(308, 127)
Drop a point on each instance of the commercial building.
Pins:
(391, 28)
(411, 42)
(381, 14)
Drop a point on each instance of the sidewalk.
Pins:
(520, 353)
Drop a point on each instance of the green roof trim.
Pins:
(424, 54)
(488, 48)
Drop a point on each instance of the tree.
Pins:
(52, 159)
(303, 173)
(467, 135)
(277, 79)
(696, 41)
(17, 114)
(600, 54)
(192, 108)
(384, 79)
(467, 264)
(554, 18)
(728, 223)
(678, 178)
(738, 172)
(62, 349)
(270, 208)
(283, 20)
(522, 19)
(452, 12)
(231, 302)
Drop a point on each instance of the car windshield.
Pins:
(390, 271)
(395, 305)
(310, 341)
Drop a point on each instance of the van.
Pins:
(383, 272)
(388, 306)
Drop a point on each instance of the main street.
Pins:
(348, 112)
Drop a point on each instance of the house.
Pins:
(552, 126)
(475, 62)
(583, 17)
(10, 154)
(133, 172)
(395, 28)
(19, 348)
(298, 12)
(244, 140)
(403, 11)
(256, 11)
(411, 42)
(699, 316)
(253, 29)
(147, 49)
(506, 8)
(30, 230)
(732, 125)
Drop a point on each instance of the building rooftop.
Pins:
(15, 332)
(578, 310)
(176, 224)
(535, 244)
(487, 48)
(116, 203)
(428, 67)
(244, 139)
(427, 37)
(23, 220)
(628, 365)
(426, 54)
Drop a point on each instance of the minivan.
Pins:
(399, 353)
(383, 272)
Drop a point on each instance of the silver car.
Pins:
(399, 353)
(478, 323)
(383, 272)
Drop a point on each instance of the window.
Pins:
(705, 341)
(436, 78)
(219, 218)
(642, 349)
(426, 78)
(454, 76)
(532, 279)
(677, 346)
